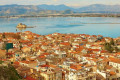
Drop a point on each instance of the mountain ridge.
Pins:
(15, 9)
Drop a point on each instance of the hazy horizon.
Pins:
(75, 3)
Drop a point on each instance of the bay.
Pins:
(106, 26)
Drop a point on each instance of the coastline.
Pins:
(64, 15)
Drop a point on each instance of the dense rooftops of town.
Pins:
(61, 56)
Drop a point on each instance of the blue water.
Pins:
(47, 25)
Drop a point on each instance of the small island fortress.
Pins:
(20, 25)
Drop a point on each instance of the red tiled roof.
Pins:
(87, 55)
(30, 78)
(76, 67)
(65, 43)
(103, 51)
(17, 63)
(9, 53)
(30, 45)
(114, 60)
(45, 66)
(25, 62)
(24, 41)
(42, 56)
(118, 53)
(112, 73)
(95, 50)
(85, 40)
(45, 53)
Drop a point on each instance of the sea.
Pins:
(106, 26)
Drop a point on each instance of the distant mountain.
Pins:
(100, 8)
(18, 9)
(14, 9)
(54, 7)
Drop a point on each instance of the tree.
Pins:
(3, 35)
(23, 59)
(108, 47)
(112, 42)
(116, 49)
(9, 73)
(21, 46)
(111, 46)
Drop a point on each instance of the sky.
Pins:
(57, 2)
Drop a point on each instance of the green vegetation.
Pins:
(8, 73)
(112, 42)
(23, 59)
(1, 62)
(111, 46)
(108, 47)
(3, 35)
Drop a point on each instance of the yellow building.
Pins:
(52, 74)
(48, 75)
